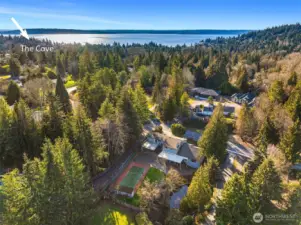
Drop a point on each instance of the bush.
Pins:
(184, 206)
(178, 129)
(142, 219)
(70, 82)
(51, 75)
(4, 69)
(208, 206)
(200, 219)
(187, 220)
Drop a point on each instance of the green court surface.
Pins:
(132, 177)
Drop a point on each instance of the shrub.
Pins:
(4, 69)
(178, 129)
(142, 219)
(184, 206)
(208, 206)
(70, 82)
(51, 75)
(187, 220)
(199, 219)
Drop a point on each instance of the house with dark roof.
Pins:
(208, 110)
(204, 93)
(243, 98)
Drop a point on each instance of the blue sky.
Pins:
(149, 14)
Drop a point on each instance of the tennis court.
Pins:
(130, 179)
(133, 176)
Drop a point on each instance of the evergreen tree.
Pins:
(214, 139)
(25, 134)
(265, 179)
(276, 92)
(128, 119)
(137, 62)
(62, 94)
(157, 92)
(145, 76)
(233, 206)
(184, 107)
(53, 190)
(293, 104)
(140, 103)
(200, 77)
(107, 110)
(60, 69)
(13, 93)
(90, 148)
(168, 109)
(7, 153)
(14, 66)
(290, 143)
(53, 119)
(267, 135)
(123, 77)
(85, 63)
(200, 189)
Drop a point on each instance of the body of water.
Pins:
(164, 39)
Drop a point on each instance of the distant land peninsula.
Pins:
(74, 31)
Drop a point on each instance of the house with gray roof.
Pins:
(204, 93)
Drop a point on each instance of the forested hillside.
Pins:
(70, 114)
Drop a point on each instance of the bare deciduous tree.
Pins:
(36, 90)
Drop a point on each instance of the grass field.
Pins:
(154, 175)
(110, 214)
(133, 176)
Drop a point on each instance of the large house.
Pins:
(207, 111)
(204, 93)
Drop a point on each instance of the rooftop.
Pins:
(171, 155)
(205, 91)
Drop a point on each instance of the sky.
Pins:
(149, 14)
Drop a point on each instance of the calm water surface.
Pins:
(164, 39)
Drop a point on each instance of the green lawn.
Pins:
(154, 175)
(110, 214)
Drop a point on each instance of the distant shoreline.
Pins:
(74, 31)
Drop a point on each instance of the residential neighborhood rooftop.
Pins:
(205, 91)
